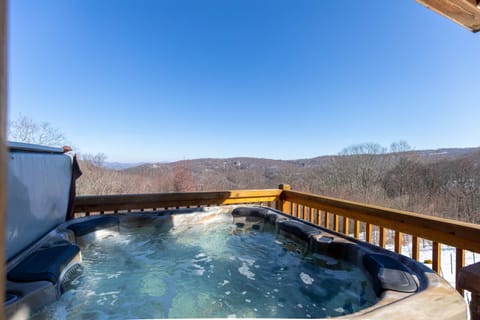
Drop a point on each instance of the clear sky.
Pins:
(157, 80)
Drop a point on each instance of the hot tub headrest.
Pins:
(388, 273)
(297, 228)
(85, 227)
(250, 212)
(256, 212)
(45, 264)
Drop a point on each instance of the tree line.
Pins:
(395, 177)
(402, 180)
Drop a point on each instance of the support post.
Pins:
(469, 279)
(284, 205)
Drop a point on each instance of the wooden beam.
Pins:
(463, 12)
(3, 145)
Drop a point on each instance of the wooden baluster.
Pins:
(312, 215)
(415, 248)
(304, 212)
(398, 242)
(345, 225)
(356, 229)
(436, 256)
(382, 237)
(327, 219)
(319, 217)
(459, 264)
(368, 232)
(335, 222)
(286, 207)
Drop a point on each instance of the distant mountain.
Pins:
(449, 153)
(442, 182)
(122, 166)
(245, 163)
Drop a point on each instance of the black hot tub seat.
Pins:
(86, 227)
(389, 274)
(45, 264)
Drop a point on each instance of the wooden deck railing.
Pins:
(87, 205)
(358, 220)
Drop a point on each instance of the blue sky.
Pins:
(165, 80)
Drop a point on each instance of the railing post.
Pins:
(436, 256)
(415, 248)
(284, 205)
(469, 279)
(459, 264)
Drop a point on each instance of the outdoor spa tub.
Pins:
(218, 262)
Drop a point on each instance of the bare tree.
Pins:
(25, 129)
(363, 149)
(183, 178)
(400, 146)
(94, 159)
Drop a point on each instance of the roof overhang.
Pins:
(463, 12)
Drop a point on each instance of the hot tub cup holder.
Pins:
(11, 297)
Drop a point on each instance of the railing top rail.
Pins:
(451, 232)
(159, 200)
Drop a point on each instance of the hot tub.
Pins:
(218, 262)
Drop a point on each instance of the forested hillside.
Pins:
(439, 182)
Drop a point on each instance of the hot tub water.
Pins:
(209, 270)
